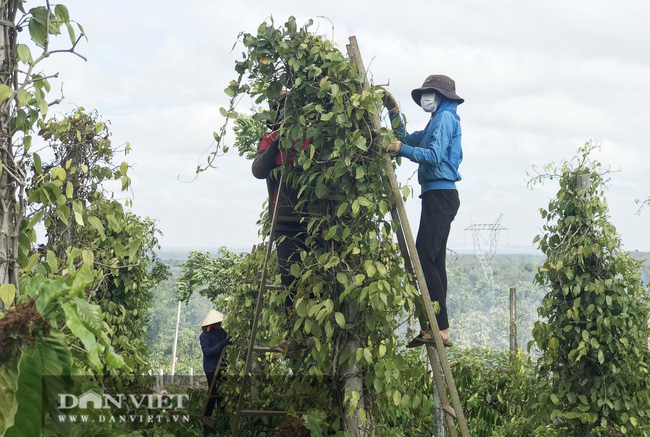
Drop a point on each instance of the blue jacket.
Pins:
(212, 343)
(436, 148)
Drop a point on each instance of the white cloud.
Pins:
(539, 80)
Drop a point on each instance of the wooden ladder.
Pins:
(252, 347)
(213, 383)
(443, 377)
(441, 370)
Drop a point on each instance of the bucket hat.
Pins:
(213, 317)
(438, 82)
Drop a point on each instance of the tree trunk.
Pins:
(350, 379)
(10, 211)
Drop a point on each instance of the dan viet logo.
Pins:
(143, 408)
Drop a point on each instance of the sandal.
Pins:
(290, 347)
(426, 337)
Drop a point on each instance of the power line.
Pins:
(481, 243)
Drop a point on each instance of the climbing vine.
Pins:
(351, 285)
(62, 300)
(594, 333)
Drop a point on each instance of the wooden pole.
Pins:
(407, 247)
(513, 320)
(178, 320)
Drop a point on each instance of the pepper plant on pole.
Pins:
(594, 368)
(351, 284)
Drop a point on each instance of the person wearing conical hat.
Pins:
(437, 150)
(213, 341)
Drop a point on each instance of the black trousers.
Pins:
(214, 397)
(289, 249)
(439, 208)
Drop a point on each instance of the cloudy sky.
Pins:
(539, 79)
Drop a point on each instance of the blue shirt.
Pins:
(437, 148)
(212, 343)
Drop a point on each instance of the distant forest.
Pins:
(479, 312)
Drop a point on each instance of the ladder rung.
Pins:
(278, 287)
(274, 287)
(266, 350)
(449, 410)
(263, 413)
(286, 218)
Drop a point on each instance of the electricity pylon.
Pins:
(480, 242)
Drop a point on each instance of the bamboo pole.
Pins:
(513, 320)
(400, 213)
(178, 320)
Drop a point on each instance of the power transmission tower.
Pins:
(481, 243)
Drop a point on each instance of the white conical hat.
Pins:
(213, 316)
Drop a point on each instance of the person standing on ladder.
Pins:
(290, 233)
(437, 150)
(213, 341)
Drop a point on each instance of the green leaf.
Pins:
(327, 117)
(362, 415)
(397, 398)
(52, 262)
(37, 163)
(71, 33)
(334, 261)
(113, 359)
(28, 396)
(321, 190)
(345, 355)
(23, 53)
(340, 319)
(82, 279)
(69, 190)
(76, 326)
(37, 31)
(57, 363)
(134, 247)
(8, 377)
(360, 143)
(555, 399)
(405, 403)
(62, 13)
(32, 261)
(23, 97)
(8, 294)
(90, 315)
(5, 92)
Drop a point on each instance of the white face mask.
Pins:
(429, 102)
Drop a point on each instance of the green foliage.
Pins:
(594, 337)
(211, 277)
(351, 266)
(125, 255)
(496, 390)
(97, 259)
(248, 132)
(161, 327)
(480, 312)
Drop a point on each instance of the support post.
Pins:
(513, 320)
(178, 319)
(438, 411)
